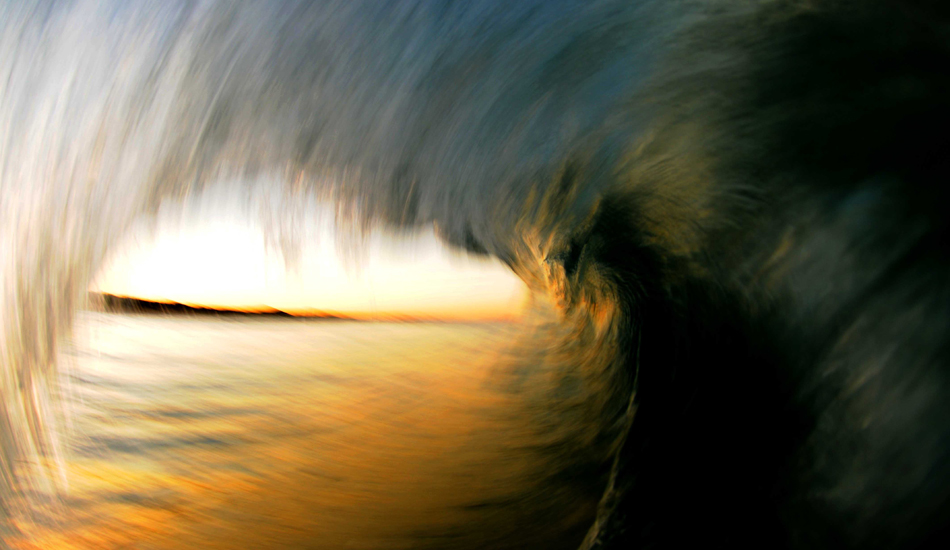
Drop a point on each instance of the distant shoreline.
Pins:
(110, 303)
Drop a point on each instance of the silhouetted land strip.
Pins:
(122, 304)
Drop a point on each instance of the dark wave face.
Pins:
(738, 208)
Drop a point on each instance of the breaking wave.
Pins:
(731, 204)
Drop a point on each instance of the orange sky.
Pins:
(224, 262)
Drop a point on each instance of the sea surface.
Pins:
(230, 432)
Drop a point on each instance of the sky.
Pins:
(215, 255)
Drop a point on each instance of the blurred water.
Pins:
(193, 432)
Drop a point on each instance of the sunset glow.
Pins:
(225, 263)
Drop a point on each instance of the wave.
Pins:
(735, 207)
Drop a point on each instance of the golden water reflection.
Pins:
(286, 433)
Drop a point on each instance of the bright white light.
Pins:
(224, 262)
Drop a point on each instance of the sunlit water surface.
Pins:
(193, 432)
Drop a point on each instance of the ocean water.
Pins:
(666, 173)
(194, 432)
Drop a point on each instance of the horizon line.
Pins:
(128, 304)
